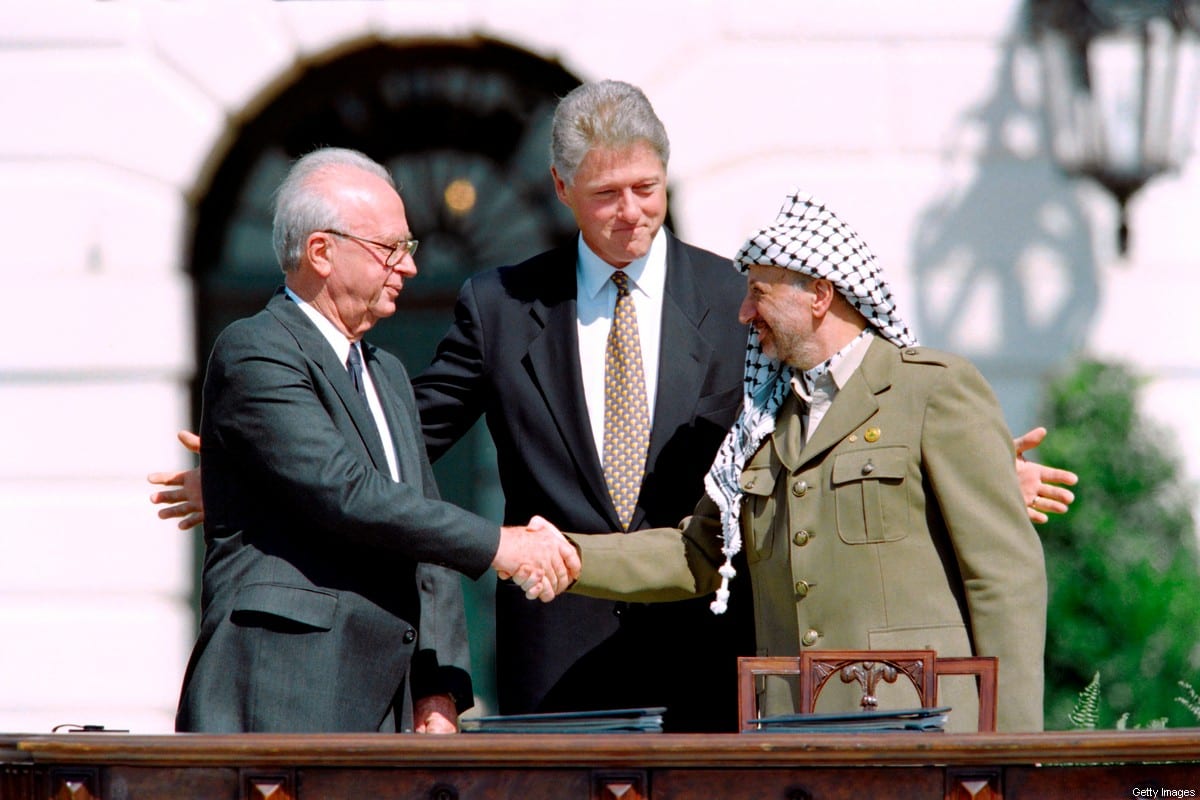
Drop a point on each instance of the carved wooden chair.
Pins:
(814, 668)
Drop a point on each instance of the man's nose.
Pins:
(627, 207)
(407, 266)
(746, 312)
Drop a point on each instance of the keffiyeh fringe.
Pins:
(765, 387)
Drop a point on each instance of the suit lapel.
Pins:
(684, 356)
(786, 438)
(684, 360)
(552, 361)
(317, 349)
(399, 409)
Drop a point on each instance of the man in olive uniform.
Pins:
(868, 480)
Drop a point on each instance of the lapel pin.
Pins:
(871, 434)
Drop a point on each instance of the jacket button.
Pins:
(801, 538)
(868, 468)
(410, 636)
(809, 638)
(800, 488)
(802, 590)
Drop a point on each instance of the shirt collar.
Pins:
(647, 274)
(847, 362)
(337, 340)
(838, 368)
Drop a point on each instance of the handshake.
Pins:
(538, 558)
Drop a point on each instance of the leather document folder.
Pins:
(910, 719)
(623, 720)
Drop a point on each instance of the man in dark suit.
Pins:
(327, 604)
(527, 351)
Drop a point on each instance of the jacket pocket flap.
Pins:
(296, 603)
(880, 463)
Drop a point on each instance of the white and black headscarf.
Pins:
(806, 237)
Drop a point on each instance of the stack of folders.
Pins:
(910, 720)
(623, 720)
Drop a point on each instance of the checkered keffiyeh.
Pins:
(808, 238)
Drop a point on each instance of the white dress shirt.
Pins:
(341, 345)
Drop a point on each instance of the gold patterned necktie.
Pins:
(626, 416)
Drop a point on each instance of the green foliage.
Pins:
(1086, 712)
(1122, 564)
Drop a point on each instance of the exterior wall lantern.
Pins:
(1121, 79)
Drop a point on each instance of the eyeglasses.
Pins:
(396, 252)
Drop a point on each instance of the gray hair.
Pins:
(609, 114)
(302, 206)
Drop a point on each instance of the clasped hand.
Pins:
(538, 558)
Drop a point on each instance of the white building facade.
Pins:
(920, 123)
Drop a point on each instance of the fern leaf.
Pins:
(1191, 700)
(1086, 713)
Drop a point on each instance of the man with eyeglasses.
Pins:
(328, 599)
(395, 252)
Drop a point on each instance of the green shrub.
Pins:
(1122, 564)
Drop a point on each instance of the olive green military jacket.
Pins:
(898, 525)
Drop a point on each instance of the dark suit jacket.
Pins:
(316, 613)
(512, 355)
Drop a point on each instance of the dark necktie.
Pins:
(626, 416)
(354, 366)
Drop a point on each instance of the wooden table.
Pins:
(976, 766)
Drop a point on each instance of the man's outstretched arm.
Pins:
(1044, 488)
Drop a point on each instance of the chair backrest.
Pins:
(814, 668)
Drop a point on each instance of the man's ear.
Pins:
(560, 187)
(319, 249)
(823, 294)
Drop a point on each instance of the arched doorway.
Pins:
(464, 127)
